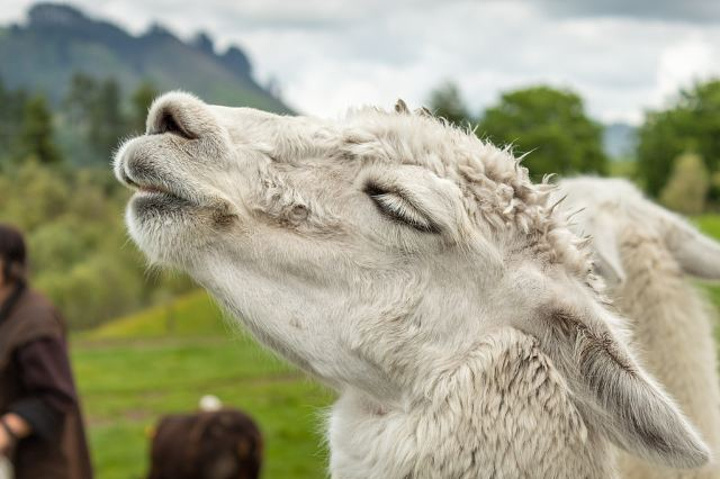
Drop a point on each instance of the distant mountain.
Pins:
(619, 140)
(59, 41)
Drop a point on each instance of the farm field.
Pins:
(135, 369)
(710, 225)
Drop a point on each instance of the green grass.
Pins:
(192, 315)
(710, 225)
(133, 370)
(622, 168)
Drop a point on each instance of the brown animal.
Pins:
(224, 444)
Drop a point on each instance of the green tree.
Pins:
(36, 135)
(446, 102)
(79, 252)
(550, 123)
(141, 100)
(688, 185)
(690, 123)
(108, 123)
(12, 107)
(80, 97)
(95, 108)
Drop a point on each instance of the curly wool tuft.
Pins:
(499, 198)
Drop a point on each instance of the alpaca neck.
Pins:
(504, 412)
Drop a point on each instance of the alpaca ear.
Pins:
(696, 254)
(614, 393)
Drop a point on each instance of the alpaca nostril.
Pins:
(169, 123)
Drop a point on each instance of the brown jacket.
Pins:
(35, 376)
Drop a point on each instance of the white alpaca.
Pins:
(644, 252)
(416, 270)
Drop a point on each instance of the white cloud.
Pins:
(330, 54)
(681, 64)
(687, 11)
(615, 63)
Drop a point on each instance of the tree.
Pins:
(446, 102)
(36, 135)
(95, 107)
(81, 94)
(691, 123)
(141, 100)
(5, 122)
(12, 108)
(551, 124)
(78, 242)
(687, 188)
(108, 123)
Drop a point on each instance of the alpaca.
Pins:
(644, 252)
(214, 443)
(417, 271)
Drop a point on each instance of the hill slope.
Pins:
(59, 41)
(194, 314)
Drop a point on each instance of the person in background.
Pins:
(41, 429)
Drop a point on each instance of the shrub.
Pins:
(688, 186)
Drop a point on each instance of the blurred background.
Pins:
(613, 88)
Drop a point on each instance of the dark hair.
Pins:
(13, 253)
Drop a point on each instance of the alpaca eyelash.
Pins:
(396, 207)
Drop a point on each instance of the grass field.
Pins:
(135, 369)
(710, 225)
(132, 371)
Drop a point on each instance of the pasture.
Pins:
(137, 368)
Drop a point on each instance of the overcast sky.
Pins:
(623, 56)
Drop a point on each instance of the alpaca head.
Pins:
(375, 250)
(607, 206)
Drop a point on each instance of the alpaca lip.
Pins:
(157, 200)
(151, 189)
(161, 197)
(148, 187)
(155, 191)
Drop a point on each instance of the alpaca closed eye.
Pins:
(299, 213)
(397, 207)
